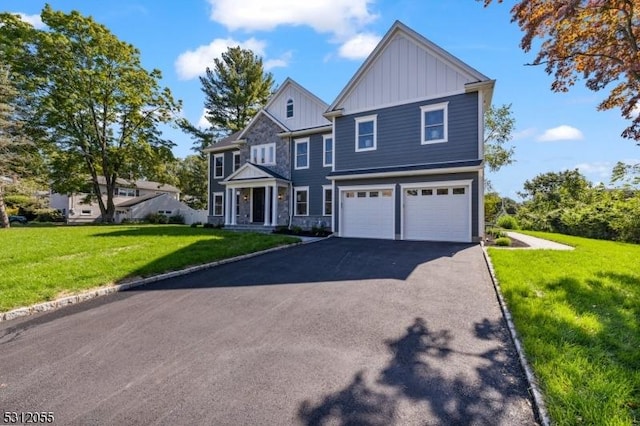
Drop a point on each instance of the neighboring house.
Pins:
(397, 155)
(134, 201)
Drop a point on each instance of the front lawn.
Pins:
(40, 264)
(578, 314)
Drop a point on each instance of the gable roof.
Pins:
(137, 200)
(251, 171)
(291, 82)
(226, 143)
(255, 118)
(470, 74)
(141, 184)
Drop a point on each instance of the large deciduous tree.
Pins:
(94, 108)
(13, 143)
(594, 40)
(498, 128)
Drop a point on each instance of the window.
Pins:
(434, 123)
(85, 212)
(387, 193)
(236, 161)
(263, 154)
(126, 192)
(412, 192)
(327, 158)
(165, 212)
(290, 108)
(302, 201)
(458, 191)
(218, 166)
(218, 204)
(427, 192)
(327, 201)
(442, 191)
(366, 133)
(302, 154)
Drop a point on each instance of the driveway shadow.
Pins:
(333, 259)
(414, 373)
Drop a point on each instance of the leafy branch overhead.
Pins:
(592, 40)
(93, 107)
(499, 124)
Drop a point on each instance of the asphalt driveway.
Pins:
(341, 331)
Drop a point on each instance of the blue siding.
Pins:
(214, 184)
(399, 136)
(313, 177)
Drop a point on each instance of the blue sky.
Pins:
(321, 43)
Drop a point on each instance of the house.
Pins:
(134, 200)
(397, 155)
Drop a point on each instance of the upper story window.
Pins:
(366, 133)
(236, 161)
(302, 154)
(127, 192)
(327, 150)
(290, 108)
(218, 166)
(263, 154)
(434, 123)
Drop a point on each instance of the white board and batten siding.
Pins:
(403, 72)
(368, 212)
(438, 211)
(307, 108)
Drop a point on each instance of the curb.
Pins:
(103, 291)
(538, 402)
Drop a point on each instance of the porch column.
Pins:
(234, 204)
(267, 222)
(274, 206)
(226, 206)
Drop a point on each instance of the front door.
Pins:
(258, 205)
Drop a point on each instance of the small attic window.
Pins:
(290, 108)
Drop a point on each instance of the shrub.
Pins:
(156, 218)
(496, 232)
(208, 225)
(507, 222)
(177, 219)
(503, 241)
(48, 215)
(195, 224)
(296, 230)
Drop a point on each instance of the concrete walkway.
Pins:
(537, 243)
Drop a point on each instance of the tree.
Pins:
(498, 126)
(94, 108)
(594, 40)
(13, 143)
(192, 180)
(235, 90)
(553, 189)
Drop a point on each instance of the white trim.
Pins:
(324, 150)
(406, 102)
(235, 154)
(290, 82)
(215, 166)
(295, 153)
(367, 187)
(324, 200)
(407, 173)
(481, 204)
(255, 118)
(365, 119)
(468, 183)
(209, 177)
(297, 189)
(306, 132)
(334, 205)
(480, 124)
(218, 194)
(444, 107)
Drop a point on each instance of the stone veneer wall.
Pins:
(265, 131)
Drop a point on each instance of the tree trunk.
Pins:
(4, 218)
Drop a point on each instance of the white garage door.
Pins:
(437, 213)
(367, 213)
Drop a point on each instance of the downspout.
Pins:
(291, 194)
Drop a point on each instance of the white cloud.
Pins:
(523, 134)
(339, 17)
(193, 63)
(281, 62)
(203, 123)
(34, 20)
(561, 133)
(359, 46)
(601, 169)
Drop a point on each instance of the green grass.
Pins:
(40, 264)
(578, 314)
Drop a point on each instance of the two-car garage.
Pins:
(432, 211)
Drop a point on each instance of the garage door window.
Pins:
(427, 192)
(458, 191)
(362, 195)
(387, 193)
(350, 194)
(412, 192)
(442, 191)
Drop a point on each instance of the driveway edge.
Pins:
(103, 291)
(540, 407)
